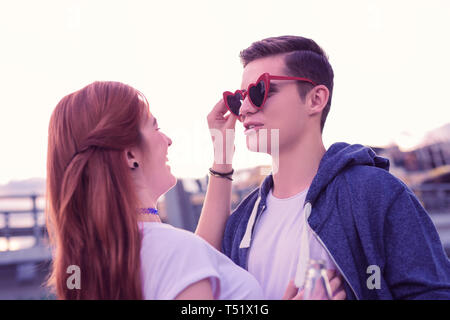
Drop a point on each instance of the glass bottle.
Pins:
(317, 285)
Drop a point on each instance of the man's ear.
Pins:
(318, 98)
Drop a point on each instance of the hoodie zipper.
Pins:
(332, 258)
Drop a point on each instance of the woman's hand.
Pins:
(336, 284)
(222, 131)
(217, 205)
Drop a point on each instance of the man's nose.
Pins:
(247, 108)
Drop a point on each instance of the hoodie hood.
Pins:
(339, 157)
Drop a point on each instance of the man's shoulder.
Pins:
(370, 189)
(369, 178)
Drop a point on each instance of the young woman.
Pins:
(106, 169)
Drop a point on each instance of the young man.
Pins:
(339, 205)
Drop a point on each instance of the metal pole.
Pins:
(179, 208)
(36, 230)
(6, 214)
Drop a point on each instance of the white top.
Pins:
(275, 248)
(172, 259)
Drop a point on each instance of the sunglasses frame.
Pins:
(265, 77)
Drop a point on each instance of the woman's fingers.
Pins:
(221, 127)
(217, 118)
(340, 295)
(220, 107)
(218, 111)
(335, 284)
(291, 291)
(231, 121)
(331, 274)
(299, 296)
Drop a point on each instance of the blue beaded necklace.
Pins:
(148, 211)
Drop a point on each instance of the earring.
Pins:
(135, 165)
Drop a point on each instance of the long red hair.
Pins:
(91, 212)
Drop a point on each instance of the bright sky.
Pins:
(390, 60)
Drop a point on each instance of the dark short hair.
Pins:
(304, 58)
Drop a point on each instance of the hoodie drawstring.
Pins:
(245, 242)
(304, 257)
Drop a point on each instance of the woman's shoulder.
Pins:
(157, 229)
(166, 238)
(172, 259)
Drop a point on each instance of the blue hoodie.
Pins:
(363, 216)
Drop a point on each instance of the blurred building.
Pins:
(182, 205)
(425, 168)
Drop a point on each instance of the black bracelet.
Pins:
(216, 175)
(221, 175)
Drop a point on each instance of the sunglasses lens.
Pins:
(234, 103)
(257, 93)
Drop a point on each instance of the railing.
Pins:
(29, 261)
(435, 197)
(26, 260)
(36, 230)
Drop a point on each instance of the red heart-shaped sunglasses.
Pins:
(257, 92)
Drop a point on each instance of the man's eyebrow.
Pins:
(273, 86)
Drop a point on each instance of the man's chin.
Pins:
(256, 147)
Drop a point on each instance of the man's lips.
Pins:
(251, 130)
(251, 126)
(249, 123)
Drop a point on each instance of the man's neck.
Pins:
(297, 167)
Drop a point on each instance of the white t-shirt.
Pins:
(275, 247)
(172, 259)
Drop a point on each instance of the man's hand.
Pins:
(218, 125)
(336, 284)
